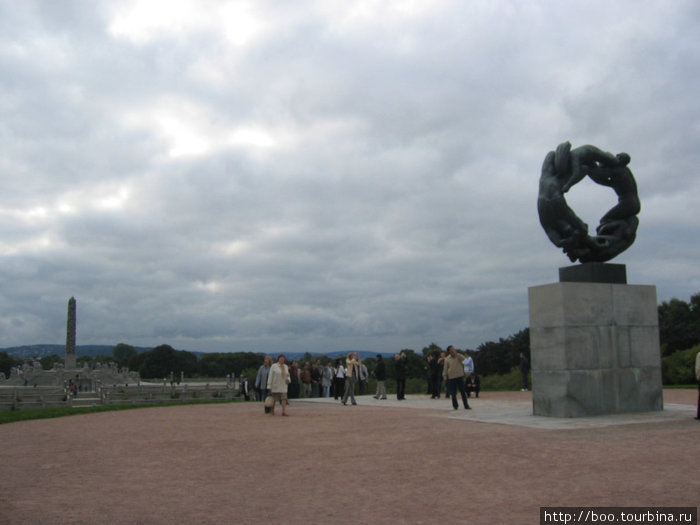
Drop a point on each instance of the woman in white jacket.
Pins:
(277, 382)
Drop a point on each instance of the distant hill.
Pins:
(30, 351)
(364, 354)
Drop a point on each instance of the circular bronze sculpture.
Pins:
(561, 170)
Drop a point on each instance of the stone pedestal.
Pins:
(594, 349)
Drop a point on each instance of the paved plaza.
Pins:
(516, 409)
(382, 462)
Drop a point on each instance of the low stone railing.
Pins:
(22, 398)
(158, 394)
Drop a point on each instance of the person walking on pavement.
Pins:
(277, 382)
(380, 374)
(453, 372)
(351, 372)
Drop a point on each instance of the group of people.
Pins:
(455, 370)
(313, 379)
(340, 378)
(438, 375)
(281, 381)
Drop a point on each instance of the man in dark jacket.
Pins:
(400, 367)
(524, 371)
(473, 385)
(380, 374)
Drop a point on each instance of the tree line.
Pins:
(679, 330)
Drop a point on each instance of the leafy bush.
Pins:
(509, 381)
(679, 367)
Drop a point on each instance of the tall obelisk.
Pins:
(70, 363)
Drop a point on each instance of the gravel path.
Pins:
(328, 463)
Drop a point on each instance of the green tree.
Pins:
(432, 349)
(248, 360)
(7, 362)
(415, 364)
(679, 324)
(369, 362)
(84, 360)
(500, 357)
(222, 364)
(212, 365)
(164, 359)
(124, 354)
(48, 361)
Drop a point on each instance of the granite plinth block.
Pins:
(594, 349)
(594, 272)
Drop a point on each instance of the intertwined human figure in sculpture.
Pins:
(564, 168)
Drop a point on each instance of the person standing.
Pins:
(400, 369)
(261, 379)
(430, 368)
(316, 374)
(293, 390)
(453, 373)
(438, 378)
(352, 364)
(473, 385)
(305, 378)
(524, 371)
(468, 364)
(697, 376)
(327, 379)
(339, 380)
(362, 375)
(380, 374)
(277, 382)
(244, 388)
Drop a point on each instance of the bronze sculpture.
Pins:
(564, 168)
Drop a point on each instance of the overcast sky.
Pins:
(327, 175)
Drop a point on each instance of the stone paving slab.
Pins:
(516, 409)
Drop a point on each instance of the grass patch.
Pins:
(11, 416)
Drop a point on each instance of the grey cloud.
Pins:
(396, 209)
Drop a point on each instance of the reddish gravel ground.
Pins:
(326, 463)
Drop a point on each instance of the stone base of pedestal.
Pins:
(594, 349)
